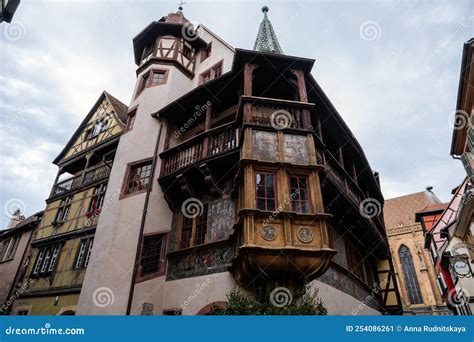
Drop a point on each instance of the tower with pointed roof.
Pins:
(236, 170)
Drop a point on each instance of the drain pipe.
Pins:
(142, 225)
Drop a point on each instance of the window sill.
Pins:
(132, 194)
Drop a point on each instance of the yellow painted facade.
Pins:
(56, 291)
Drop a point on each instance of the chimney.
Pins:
(16, 218)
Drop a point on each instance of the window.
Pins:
(153, 254)
(212, 73)
(46, 260)
(8, 248)
(63, 210)
(409, 274)
(187, 51)
(186, 232)
(299, 194)
(194, 227)
(84, 253)
(22, 312)
(97, 200)
(265, 191)
(138, 177)
(355, 263)
(130, 121)
(98, 127)
(201, 228)
(206, 52)
(433, 252)
(158, 77)
(143, 83)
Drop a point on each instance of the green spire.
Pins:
(266, 38)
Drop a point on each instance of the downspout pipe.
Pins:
(142, 225)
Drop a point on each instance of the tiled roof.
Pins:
(175, 18)
(434, 207)
(400, 211)
(120, 108)
(266, 38)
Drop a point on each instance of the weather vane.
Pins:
(181, 5)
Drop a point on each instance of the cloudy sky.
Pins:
(391, 68)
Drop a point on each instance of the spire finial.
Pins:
(181, 5)
(266, 38)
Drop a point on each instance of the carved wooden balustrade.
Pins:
(89, 176)
(202, 146)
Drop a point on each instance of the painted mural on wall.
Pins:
(296, 149)
(265, 145)
(202, 262)
(221, 219)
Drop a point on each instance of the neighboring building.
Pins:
(416, 275)
(260, 184)
(63, 241)
(8, 10)
(14, 247)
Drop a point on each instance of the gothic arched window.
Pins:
(411, 280)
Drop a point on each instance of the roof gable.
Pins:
(105, 120)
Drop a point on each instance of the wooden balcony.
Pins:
(279, 114)
(86, 177)
(201, 147)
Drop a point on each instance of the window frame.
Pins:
(97, 197)
(47, 260)
(64, 207)
(162, 266)
(412, 284)
(308, 194)
(124, 193)
(81, 261)
(206, 52)
(194, 222)
(131, 117)
(211, 72)
(275, 190)
(147, 77)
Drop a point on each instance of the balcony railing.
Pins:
(90, 176)
(203, 146)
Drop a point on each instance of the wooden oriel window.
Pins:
(194, 229)
(206, 52)
(130, 120)
(63, 210)
(152, 256)
(265, 187)
(138, 177)
(46, 260)
(84, 253)
(299, 194)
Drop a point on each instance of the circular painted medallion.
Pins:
(268, 233)
(305, 235)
